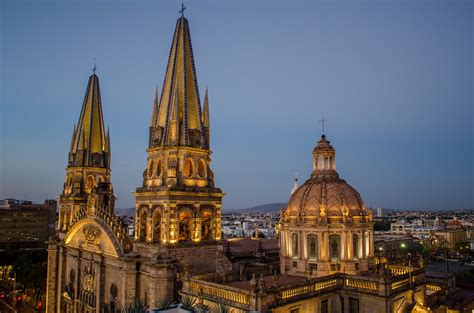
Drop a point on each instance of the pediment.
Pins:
(93, 235)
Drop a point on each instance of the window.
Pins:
(353, 305)
(355, 246)
(188, 168)
(150, 168)
(158, 168)
(335, 246)
(294, 244)
(114, 291)
(312, 246)
(324, 306)
(202, 169)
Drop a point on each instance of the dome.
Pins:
(323, 196)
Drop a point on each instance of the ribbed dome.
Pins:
(323, 196)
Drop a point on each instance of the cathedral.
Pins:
(323, 262)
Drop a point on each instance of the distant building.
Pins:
(25, 223)
(379, 212)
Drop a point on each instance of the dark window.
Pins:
(324, 306)
(353, 305)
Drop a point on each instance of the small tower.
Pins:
(89, 157)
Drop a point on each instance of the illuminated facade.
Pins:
(93, 265)
(326, 228)
(178, 202)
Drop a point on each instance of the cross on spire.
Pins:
(95, 67)
(183, 7)
(322, 121)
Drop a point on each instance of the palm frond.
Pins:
(137, 306)
(163, 303)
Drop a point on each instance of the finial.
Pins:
(95, 67)
(183, 7)
(322, 121)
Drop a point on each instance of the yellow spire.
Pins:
(155, 109)
(89, 144)
(206, 120)
(180, 88)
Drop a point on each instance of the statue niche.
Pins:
(206, 226)
(184, 218)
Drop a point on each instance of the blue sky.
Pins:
(393, 78)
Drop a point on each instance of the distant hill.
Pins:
(263, 208)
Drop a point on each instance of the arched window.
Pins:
(90, 181)
(188, 168)
(184, 218)
(143, 225)
(206, 232)
(335, 246)
(294, 244)
(158, 168)
(355, 245)
(202, 169)
(156, 225)
(150, 168)
(312, 246)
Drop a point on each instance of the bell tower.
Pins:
(89, 157)
(178, 201)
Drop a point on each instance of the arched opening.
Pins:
(150, 168)
(294, 245)
(184, 219)
(355, 246)
(90, 182)
(188, 168)
(335, 246)
(143, 227)
(202, 172)
(312, 246)
(156, 225)
(158, 168)
(206, 230)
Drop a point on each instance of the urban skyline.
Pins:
(404, 137)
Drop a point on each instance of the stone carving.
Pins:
(91, 233)
(88, 281)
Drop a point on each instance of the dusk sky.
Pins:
(393, 78)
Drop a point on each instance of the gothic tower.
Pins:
(89, 157)
(91, 240)
(178, 203)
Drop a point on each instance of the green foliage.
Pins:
(163, 304)
(188, 302)
(138, 306)
(222, 308)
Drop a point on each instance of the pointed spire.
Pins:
(154, 114)
(72, 138)
(180, 80)
(89, 135)
(206, 120)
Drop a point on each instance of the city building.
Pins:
(323, 261)
(25, 224)
(93, 266)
